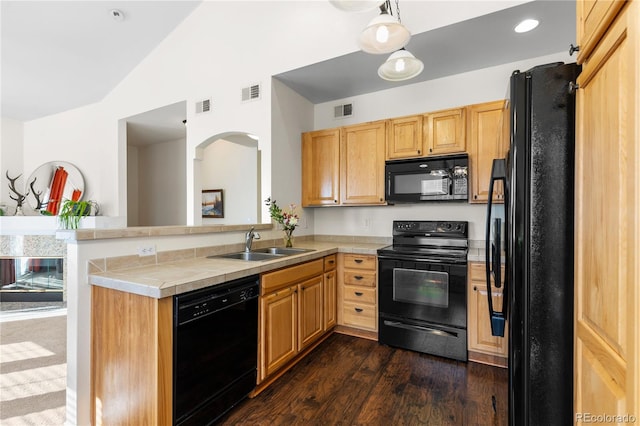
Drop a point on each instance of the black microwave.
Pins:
(417, 180)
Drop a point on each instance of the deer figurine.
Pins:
(19, 198)
(36, 194)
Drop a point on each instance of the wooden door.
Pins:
(330, 299)
(321, 167)
(310, 311)
(279, 330)
(362, 163)
(593, 18)
(607, 252)
(404, 138)
(487, 133)
(444, 132)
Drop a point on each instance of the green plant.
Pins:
(72, 211)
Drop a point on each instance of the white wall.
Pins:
(11, 160)
(162, 184)
(133, 184)
(463, 89)
(291, 114)
(232, 167)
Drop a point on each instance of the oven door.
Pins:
(423, 291)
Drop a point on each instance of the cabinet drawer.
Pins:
(330, 262)
(283, 277)
(360, 294)
(360, 278)
(354, 261)
(360, 315)
(477, 272)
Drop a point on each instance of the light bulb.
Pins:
(399, 65)
(382, 34)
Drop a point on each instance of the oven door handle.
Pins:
(459, 261)
(430, 330)
(493, 255)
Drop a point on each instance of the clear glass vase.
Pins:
(288, 238)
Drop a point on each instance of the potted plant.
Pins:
(72, 211)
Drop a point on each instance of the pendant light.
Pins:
(384, 34)
(400, 66)
(356, 5)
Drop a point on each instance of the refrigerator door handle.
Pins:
(493, 252)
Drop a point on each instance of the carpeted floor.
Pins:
(33, 367)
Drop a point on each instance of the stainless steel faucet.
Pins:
(248, 239)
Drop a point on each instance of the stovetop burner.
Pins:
(435, 241)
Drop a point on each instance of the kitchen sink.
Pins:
(268, 253)
(282, 250)
(251, 255)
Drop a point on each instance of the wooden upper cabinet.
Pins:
(444, 132)
(362, 163)
(404, 137)
(593, 17)
(488, 134)
(321, 167)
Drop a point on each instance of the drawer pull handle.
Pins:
(358, 260)
(358, 277)
(358, 309)
(358, 293)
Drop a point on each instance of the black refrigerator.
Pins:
(537, 238)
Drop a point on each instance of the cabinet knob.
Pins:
(419, 151)
(573, 87)
(358, 260)
(358, 309)
(358, 277)
(573, 49)
(358, 293)
(475, 288)
(335, 201)
(430, 149)
(475, 197)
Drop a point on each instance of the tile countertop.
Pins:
(171, 278)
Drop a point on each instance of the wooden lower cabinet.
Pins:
(295, 314)
(482, 345)
(279, 311)
(330, 317)
(131, 358)
(357, 295)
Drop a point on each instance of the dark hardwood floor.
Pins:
(353, 381)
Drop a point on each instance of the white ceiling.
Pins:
(476, 43)
(58, 55)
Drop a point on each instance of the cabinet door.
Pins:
(321, 167)
(404, 137)
(362, 163)
(310, 311)
(488, 135)
(593, 17)
(607, 227)
(330, 299)
(479, 326)
(279, 330)
(444, 132)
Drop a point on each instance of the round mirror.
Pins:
(55, 180)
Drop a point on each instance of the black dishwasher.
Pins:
(215, 350)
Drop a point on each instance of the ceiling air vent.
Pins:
(203, 106)
(342, 111)
(251, 93)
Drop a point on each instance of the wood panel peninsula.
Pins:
(132, 320)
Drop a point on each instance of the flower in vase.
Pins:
(288, 219)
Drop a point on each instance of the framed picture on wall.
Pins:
(212, 203)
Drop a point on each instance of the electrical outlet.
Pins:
(149, 250)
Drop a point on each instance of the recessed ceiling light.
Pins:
(526, 25)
